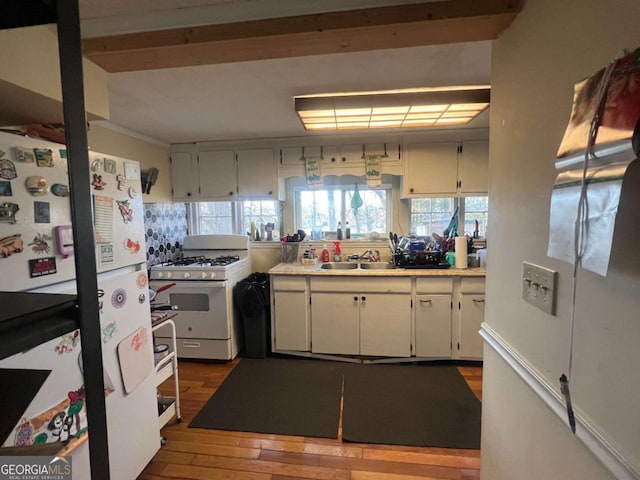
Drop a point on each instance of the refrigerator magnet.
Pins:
(36, 185)
(125, 210)
(39, 267)
(41, 212)
(8, 212)
(24, 155)
(63, 152)
(96, 164)
(133, 246)
(40, 243)
(133, 193)
(5, 189)
(60, 190)
(7, 169)
(108, 331)
(97, 182)
(142, 281)
(109, 166)
(44, 157)
(131, 171)
(119, 298)
(64, 240)
(122, 182)
(11, 244)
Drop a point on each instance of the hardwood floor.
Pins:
(216, 454)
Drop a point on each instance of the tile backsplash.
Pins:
(165, 227)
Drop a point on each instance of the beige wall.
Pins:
(148, 152)
(535, 63)
(30, 63)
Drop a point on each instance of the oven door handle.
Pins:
(195, 284)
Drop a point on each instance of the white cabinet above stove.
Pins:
(206, 174)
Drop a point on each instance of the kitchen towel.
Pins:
(374, 171)
(312, 171)
(461, 252)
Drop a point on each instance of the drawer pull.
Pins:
(478, 300)
(191, 344)
(425, 301)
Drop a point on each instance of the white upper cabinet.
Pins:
(224, 174)
(448, 168)
(217, 175)
(431, 168)
(473, 167)
(182, 166)
(256, 174)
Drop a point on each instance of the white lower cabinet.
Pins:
(385, 324)
(394, 317)
(290, 314)
(368, 316)
(336, 323)
(470, 318)
(433, 326)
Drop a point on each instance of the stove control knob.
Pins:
(187, 275)
(158, 274)
(213, 274)
(203, 274)
(169, 274)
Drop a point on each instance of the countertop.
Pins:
(300, 269)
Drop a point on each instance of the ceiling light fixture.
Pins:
(411, 108)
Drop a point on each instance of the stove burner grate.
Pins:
(221, 261)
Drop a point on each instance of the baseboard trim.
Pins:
(585, 432)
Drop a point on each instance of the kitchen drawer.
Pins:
(434, 285)
(289, 283)
(472, 285)
(379, 284)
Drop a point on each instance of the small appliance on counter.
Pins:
(420, 259)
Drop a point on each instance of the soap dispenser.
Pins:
(337, 257)
(324, 256)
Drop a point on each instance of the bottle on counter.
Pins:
(337, 257)
(347, 231)
(324, 256)
(339, 231)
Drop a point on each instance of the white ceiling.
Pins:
(255, 99)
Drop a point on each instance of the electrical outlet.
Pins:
(539, 287)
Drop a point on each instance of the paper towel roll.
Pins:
(461, 252)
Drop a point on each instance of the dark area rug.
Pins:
(416, 405)
(280, 396)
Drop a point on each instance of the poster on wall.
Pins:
(593, 157)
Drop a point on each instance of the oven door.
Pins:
(204, 308)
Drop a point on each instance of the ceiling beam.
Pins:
(429, 23)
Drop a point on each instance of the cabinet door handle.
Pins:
(478, 300)
(363, 298)
(355, 299)
(270, 192)
(188, 194)
(230, 193)
(425, 301)
(411, 190)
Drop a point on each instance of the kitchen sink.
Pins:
(338, 266)
(377, 266)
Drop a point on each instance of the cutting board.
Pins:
(136, 359)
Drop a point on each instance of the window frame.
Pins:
(343, 188)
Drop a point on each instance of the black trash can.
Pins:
(251, 298)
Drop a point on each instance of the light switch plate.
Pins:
(539, 287)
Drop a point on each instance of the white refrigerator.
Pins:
(36, 255)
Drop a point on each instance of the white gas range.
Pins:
(207, 324)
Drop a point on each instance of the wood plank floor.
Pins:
(191, 453)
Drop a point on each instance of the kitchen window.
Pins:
(432, 215)
(232, 217)
(319, 210)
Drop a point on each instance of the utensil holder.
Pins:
(290, 251)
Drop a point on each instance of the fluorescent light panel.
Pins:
(408, 109)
